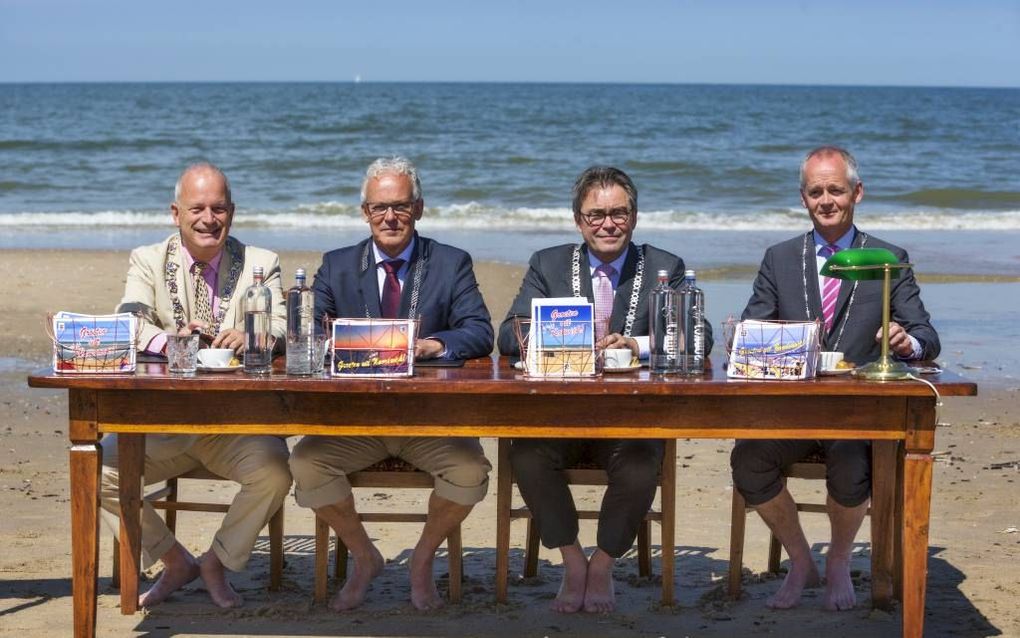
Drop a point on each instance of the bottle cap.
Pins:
(663, 274)
(257, 271)
(300, 273)
(689, 274)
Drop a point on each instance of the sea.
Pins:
(716, 166)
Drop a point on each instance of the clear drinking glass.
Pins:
(320, 343)
(182, 353)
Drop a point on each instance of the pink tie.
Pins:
(830, 289)
(603, 288)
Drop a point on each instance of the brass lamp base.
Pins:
(884, 369)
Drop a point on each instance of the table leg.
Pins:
(131, 457)
(86, 458)
(917, 475)
(85, 461)
(883, 532)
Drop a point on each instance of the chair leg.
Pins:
(531, 550)
(738, 525)
(171, 497)
(455, 556)
(775, 553)
(503, 494)
(276, 550)
(115, 580)
(667, 491)
(644, 548)
(340, 573)
(321, 558)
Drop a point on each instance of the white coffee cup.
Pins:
(830, 359)
(619, 357)
(215, 357)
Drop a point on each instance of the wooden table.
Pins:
(490, 399)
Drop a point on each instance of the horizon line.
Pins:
(361, 80)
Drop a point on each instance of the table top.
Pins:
(496, 376)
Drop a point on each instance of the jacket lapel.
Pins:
(368, 282)
(418, 254)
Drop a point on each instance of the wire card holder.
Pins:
(92, 344)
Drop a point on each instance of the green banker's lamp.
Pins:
(868, 264)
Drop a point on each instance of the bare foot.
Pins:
(177, 573)
(839, 588)
(359, 579)
(424, 595)
(570, 598)
(214, 575)
(800, 576)
(599, 595)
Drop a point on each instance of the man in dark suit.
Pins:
(789, 286)
(605, 266)
(398, 274)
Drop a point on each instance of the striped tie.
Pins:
(830, 289)
(603, 289)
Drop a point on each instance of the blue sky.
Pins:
(957, 43)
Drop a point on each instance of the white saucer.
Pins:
(632, 367)
(834, 372)
(226, 368)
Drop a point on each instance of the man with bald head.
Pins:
(195, 280)
(790, 287)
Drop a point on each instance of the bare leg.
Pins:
(214, 575)
(368, 562)
(444, 516)
(599, 596)
(780, 514)
(570, 598)
(845, 521)
(179, 569)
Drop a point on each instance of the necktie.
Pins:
(391, 289)
(830, 289)
(203, 309)
(603, 289)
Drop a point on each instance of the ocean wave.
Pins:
(965, 198)
(479, 216)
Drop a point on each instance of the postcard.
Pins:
(94, 344)
(774, 350)
(562, 342)
(373, 347)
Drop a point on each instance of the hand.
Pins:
(230, 338)
(617, 340)
(204, 340)
(428, 348)
(899, 341)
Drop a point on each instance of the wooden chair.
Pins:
(589, 475)
(389, 473)
(166, 498)
(883, 512)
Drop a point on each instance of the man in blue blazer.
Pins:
(789, 287)
(398, 274)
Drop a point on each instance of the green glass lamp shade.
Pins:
(862, 264)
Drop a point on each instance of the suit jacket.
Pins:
(549, 275)
(147, 289)
(779, 294)
(147, 293)
(450, 306)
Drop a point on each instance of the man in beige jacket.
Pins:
(196, 279)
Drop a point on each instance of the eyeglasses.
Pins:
(597, 217)
(403, 210)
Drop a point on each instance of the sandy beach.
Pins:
(975, 546)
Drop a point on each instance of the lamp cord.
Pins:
(938, 397)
